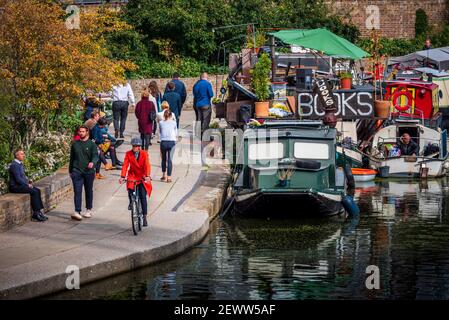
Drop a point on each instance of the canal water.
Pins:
(403, 230)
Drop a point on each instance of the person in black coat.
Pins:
(174, 101)
(19, 183)
(407, 146)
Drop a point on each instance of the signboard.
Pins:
(350, 104)
(325, 95)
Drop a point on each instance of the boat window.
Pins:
(311, 150)
(266, 151)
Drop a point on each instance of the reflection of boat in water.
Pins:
(281, 233)
(390, 198)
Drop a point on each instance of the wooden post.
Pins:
(273, 59)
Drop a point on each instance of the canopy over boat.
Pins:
(321, 40)
(435, 58)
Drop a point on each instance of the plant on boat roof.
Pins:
(346, 75)
(261, 39)
(260, 77)
(285, 173)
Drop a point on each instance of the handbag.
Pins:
(152, 116)
(104, 146)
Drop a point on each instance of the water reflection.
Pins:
(403, 229)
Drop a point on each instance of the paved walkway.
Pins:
(34, 257)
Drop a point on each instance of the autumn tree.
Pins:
(45, 67)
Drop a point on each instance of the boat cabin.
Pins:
(414, 99)
(432, 143)
(301, 152)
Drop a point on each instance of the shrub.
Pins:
(421, 23)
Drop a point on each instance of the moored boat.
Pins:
(289, 168)
(362, 175)
(431, 160)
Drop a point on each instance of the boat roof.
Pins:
(307, 129)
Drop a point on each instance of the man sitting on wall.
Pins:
(19, 183)
(407, 146)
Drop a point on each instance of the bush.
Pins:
(421, 23)
(187, 67)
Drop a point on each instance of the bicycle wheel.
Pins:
(140, 215)
(135, 216)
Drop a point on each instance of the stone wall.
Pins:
(137, 86)
(396, 18)
(15, 209)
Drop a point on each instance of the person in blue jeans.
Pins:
(169, 134)
(202, 95)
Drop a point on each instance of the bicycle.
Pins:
(136, 208)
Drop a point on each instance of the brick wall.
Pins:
(15, 209)
(137, 86)
(396, 18)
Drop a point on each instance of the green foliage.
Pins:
(345, 75)
(187, 67)
(126, 45)
(184, 27)
(69, 122)
(421, 23)
(260, 79)
(260, 39)
(393, 47)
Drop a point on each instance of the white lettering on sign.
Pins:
(350, 105)
(373, 17)
(345, 104)
(369, 106)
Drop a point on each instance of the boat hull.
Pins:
(363, 178)
(399, 168)
(288, 203)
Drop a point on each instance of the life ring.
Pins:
(402, 91)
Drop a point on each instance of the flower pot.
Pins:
(345, 84)
(382, 108)
(262, 109)
(220, 110)
(284, 183)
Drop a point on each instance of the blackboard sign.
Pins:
(349, 104)
(325, 95)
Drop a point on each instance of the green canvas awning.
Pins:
(321, 40)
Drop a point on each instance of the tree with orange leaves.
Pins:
(45, 67)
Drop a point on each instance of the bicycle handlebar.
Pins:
(127, 180)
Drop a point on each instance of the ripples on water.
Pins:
(403, 229)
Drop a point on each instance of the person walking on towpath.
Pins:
(146, 116)
(174, 101)
(169, 135)
(83, 157)
(180, 88)
(19, 183)
(137, 169)
(122, 96)
(202, 95)
(156, 96)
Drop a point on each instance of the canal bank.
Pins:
(403, 230)
(34, 258)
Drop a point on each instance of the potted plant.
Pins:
(260, 41)
(261, 84)
(284, 176)
(381, 106)
(345, 80)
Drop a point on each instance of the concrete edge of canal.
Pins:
(207, 198)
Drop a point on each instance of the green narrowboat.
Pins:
(288, 167)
